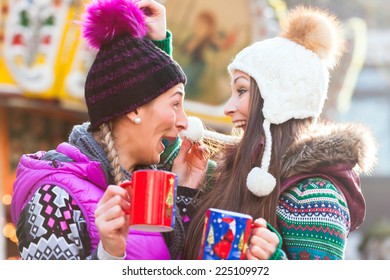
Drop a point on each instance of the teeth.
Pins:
(239, 124)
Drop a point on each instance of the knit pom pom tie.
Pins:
(259, 181)
(195, 132)
(103, 20)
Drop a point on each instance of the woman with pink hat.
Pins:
(68, 203)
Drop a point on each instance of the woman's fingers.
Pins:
(155, 18)
(263, 242)
(184, 151)
(113, 190)
(261, 248)
(260, 222)
(151, 5)
(108, 227)
(114, 202)
(200, 150)
(111, 220)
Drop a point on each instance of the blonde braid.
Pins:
(105, 135)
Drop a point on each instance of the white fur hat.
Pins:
(292, 73)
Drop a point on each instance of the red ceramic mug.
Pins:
(153, 200)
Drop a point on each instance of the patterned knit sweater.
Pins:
(321, 200)
(314, 220)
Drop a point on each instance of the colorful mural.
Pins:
(39, 41)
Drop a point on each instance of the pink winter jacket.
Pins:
(86, 182)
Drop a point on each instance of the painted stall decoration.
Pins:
(33, 42)
(7, 82)
(76, 72)
(78, 58)
(207, 34)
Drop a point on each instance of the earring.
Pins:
(137, 120)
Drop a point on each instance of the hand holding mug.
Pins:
(263, 242)
(111, 220)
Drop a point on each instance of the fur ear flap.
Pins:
(316, 30)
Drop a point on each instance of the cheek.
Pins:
(168, 118)
(243, 105)
(165, 120)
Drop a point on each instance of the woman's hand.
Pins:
(191, 163)
(263, 242)
(155, 18)
(111, 220)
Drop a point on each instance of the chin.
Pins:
(156, 160)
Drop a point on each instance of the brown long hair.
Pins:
(230, 191)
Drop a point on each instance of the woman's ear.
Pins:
(134, 117)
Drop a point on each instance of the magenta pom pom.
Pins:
(103, 20)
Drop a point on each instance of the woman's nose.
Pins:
(182, 121)
(230, 107)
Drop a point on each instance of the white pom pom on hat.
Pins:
(196, 131)
(260, 182)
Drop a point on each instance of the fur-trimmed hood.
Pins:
(330, 144)
(338, 153)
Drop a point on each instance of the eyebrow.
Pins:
(235, 80)
(181, 92)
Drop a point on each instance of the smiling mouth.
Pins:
(239, 124)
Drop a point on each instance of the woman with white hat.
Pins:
(293, 170)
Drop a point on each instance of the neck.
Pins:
(124, 146)
(125, 161)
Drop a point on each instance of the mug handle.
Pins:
(126, 184)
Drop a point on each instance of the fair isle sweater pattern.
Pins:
(52, 226)
(314, 221)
